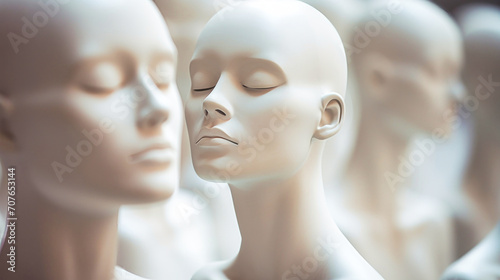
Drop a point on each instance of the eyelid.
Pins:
(163, 74)
(260, 79)
(203, 89)
(203, 81)
(101, 77)
(260, 88)
(96, 89)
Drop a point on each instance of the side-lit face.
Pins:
(426, 91)
(104, 123)
(252, 110)
(422, 59)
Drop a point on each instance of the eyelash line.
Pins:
(210, 88)
(267, 88)
(203, 89)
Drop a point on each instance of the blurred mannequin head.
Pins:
(481, 27)
(186, 19)
(257, 110)
(89, 105)
(409, 73)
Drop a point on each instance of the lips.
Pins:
(214, 137)
(160, 153)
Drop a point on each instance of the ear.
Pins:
(332, 116)
(7, 143)
(379, 73)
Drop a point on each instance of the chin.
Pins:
(213, 170)
(151, 194)
(211, 174)
(154, 187)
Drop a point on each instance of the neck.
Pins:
(482, 180)
(376, 157)
(55, 243)
(280, 222)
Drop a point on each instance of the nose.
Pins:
(215, 110)
(153, 109)
(216, 106)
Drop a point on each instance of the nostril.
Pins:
(220, 112)
(206, 113)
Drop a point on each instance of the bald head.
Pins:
(408, 65)
(343, 14)
(295, 36)
(45, 38)
(419, 32)
(481, 26)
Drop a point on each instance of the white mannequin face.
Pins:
(423, 91)
(412, 69)
(119, 87)
(255, 106)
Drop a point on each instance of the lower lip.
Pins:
(154, 157)
(214, 142)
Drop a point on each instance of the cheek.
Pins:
(415, 102)
(44, 132)
(282, 133)
(73, 138)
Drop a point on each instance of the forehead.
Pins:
(83, 30)
(447, 52)
(133, 25)
(262, 33)
(239, 35)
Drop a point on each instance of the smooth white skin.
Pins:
(483, 262)
(186, 19)
(157, 242)
(344, 15)
(172, 243)
(478, 200)
(245, 73)
(51, 92)
(408, 76)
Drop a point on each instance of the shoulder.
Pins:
(480, 263)
(345, 263)
(122, 274)
(213, 271)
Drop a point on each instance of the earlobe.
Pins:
(7, 143)
(332, 116)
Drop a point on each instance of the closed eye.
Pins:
(96, 89)
(259, 88)
(203, 89)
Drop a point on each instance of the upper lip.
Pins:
(154, 146)
(215, 133)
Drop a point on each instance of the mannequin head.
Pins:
(481, 26)
(409, 73)
(268, 79)
(89, 108)
(185, 19)
(343, 14)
